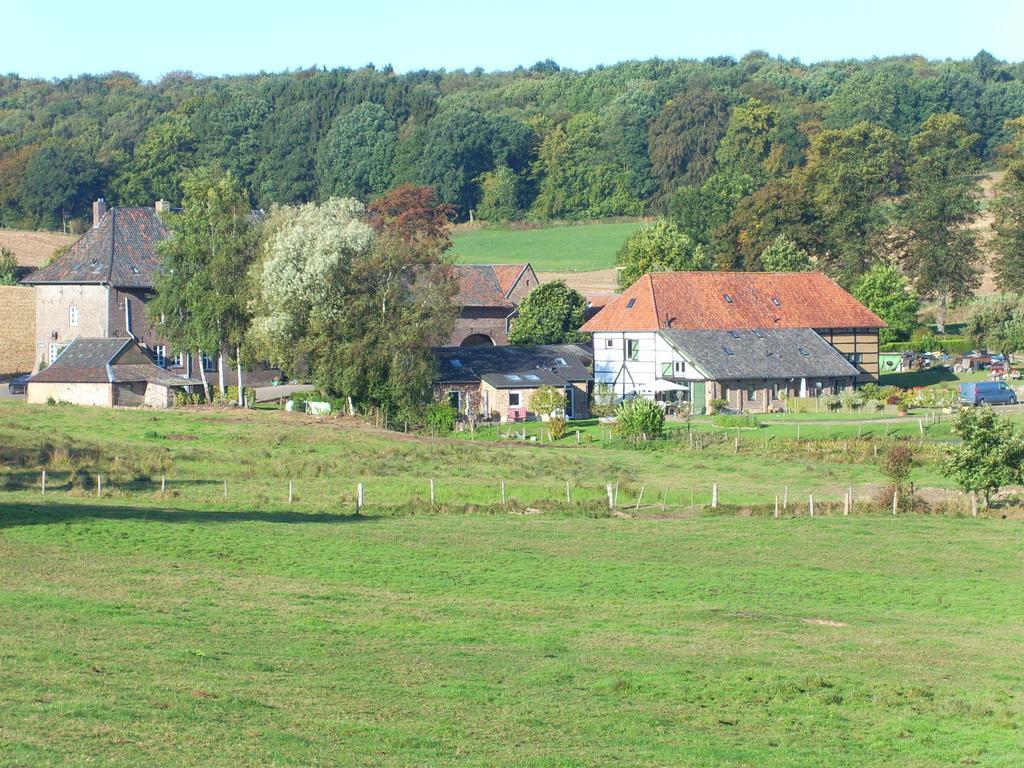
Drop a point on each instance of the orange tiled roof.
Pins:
(507, 275)
(732, 301)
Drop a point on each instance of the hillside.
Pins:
(33, 248)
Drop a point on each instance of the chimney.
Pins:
(162, 206)
(98, 209)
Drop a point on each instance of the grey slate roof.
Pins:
(468, 365)
(783, 353)
(119, 251)
(95, 361)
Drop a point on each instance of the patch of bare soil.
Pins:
(825, 622)
(32, 249)
(597, 282)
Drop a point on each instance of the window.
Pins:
(679, 368)
(728, 350)
(734, 334)
(727, 297)
(209, 364)
(804, 352)
(609, 343)
(454, 400)
(856, 358)
(54, 352)
(456, 363)
(560, 361)
(514, 377)
(758, 334)
(532, 377)
(513, 399)
(630, 303)
(776, 302)
(160, 353)
(73, 316)
(181, 361)
(752, 392)
(633, 349)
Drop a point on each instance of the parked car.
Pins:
(987, 393)
(19, 385)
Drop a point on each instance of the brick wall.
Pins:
(17, 329)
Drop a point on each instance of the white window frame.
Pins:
(519, 399)
(633, 350)
(208, 363)
(160, 354)
(181, 360)
(609, 343)
(74, 315)
(54, 352)
(679, 367)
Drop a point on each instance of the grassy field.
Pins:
(578, 248)
(180, 628)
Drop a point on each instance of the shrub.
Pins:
(548, 401)
(897, 462)
(719, 404)
(852, 401)
(833, 402)
(440, 418)
(736, 421)
(640, 419)
(602, 402)
(873, 405)
(557, 427)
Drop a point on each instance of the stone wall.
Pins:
(77, 394)
(17, 329)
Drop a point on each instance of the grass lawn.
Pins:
(575, 248)
(182, 628)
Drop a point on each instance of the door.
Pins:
(570, 410)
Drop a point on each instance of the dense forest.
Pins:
(539, 143)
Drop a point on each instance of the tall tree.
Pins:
(783, 255)
(201, 294)
(942, 255)
(659, 247)
(884, 290)
(160, 161)
(850, 172)
(1009, 217)
(551, 313)
(355, 157)
(60, 181)
(684, 136)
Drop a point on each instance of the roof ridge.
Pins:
(654, 299)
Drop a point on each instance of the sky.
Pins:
(214, 37)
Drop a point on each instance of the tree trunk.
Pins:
(202, 375)
(220, 373)
(941, 315)
(238, 362)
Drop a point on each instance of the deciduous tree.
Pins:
(659, 247)
(884, 290)
(551, 313)
(990, 453)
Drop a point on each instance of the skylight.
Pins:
(727, 297)
(734, 334)
(532, 377)
(514, 377)
(630, 303)
(728, 350)
(560, 361)
(776, 302)
(804, 352)
(758, 334)
(456, 363)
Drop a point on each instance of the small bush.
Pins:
(557, 427)
(440, 418)
(873, 406)
(897, 462)
(832, 402)
(719, 404)
(640, 419)
(735, 421)
(852, 401)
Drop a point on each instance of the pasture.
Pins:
(140, 627)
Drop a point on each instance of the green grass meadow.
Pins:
(177, 628)
(570, 248)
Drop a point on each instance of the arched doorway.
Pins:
(477, 340)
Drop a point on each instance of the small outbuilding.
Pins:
(108, 373)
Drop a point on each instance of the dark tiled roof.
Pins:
(725, 300)
(120, 251)
(467, 365)
(151, 373)
(761, 354)
(527, 380)
(479, 287)
(83, 361)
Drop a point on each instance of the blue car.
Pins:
(18, 386)
(987, 393)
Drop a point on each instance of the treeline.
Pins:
(541, 143)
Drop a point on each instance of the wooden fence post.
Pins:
(359, 498)
(642, 488)
(810, 504)
(611, 497)
(504, 503)
(664, 500)
(163, 483)
(776, 505)
(714, 495)
(785, 497)
(974, 504)
(568, 493)
(44, 481)
(289, 491)
(846, 504)
(798, 433)
(431, 492)
(99, 485)
(577, 437)
(895, 500)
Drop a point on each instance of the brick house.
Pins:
(749, 338)
(100, 287)
(498, 382)
(106, 372)
(489, 296)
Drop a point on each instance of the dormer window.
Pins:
(727, 298)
